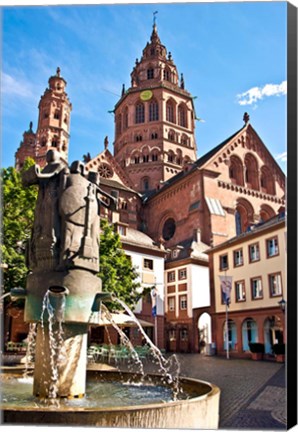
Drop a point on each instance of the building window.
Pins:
(150, 73)
(183, 302)
(137, 159)
(57, 115)
(275, 286)
(154, 135)
(139, 138)
(146, 184)
(148, 264)
(240, 291)
(256, 288)
(254, 252)
(182, 119)
(154, 157)
(182, 274)
(121, 230)
(238, 257)
(145, 158)
(223, 262)
(171, 304)
(171, 136)
(140, 113)
(171, 276)
(238, 223)
(184, 334)
(170, 112)
(169, 229)
(272, 247)
(172, 334)
(167, 74)
(153, 111)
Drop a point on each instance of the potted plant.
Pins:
(279, 351)
(257, 350)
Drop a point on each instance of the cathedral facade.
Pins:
(182, 205)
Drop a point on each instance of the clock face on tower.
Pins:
(146, 95)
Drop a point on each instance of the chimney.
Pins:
(197, 235)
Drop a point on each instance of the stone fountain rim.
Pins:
(213, 391)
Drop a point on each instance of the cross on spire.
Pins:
(154, 18)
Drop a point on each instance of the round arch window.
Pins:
(169, 229)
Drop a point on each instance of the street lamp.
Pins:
(282, 304)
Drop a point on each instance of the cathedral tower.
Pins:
(53, 125)
(54, 119)
(154, 120)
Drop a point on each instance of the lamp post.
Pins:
(282, 305)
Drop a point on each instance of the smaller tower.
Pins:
(27, 148)
(54, 120)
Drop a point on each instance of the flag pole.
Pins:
(227, 320)
(227, 331)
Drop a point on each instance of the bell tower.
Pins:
(53, 120)
(154, 120)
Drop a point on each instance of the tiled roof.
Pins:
(138, 238)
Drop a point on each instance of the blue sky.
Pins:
(232, 56)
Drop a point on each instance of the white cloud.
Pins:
(15, 87)
(281, 157)
(255, 94)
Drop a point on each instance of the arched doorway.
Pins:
(249, 333)
(204, 331)
(273, 333)
(232, 335)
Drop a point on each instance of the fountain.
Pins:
(62, 292)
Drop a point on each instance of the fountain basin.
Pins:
(198, 410)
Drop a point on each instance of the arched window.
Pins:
(182, 115)
(57, 114)
(251, 171)
(169, 229)
(171, 156)
(267, 181)
(153, 111)
(154, 156)
(167, 74)
(125, 118)
(249, 333)
(184, 139)
(244, 215)
(171, 135)
(145, 184)
(118, 124)
(170, 112)
(139, 138)
(236, 170)
(232, 335)
(266, 212)
(154, 135)
(140, 113)
(150, 73)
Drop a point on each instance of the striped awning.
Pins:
(214, 206)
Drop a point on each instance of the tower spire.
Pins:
(154, 18)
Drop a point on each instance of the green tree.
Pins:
(18, 204)
(116, 271)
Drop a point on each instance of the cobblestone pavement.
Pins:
(253, 394)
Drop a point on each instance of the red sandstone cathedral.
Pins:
(167, 198)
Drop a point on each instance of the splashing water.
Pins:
(170, 368)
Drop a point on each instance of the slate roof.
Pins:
(190, 249)
(138, 238)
